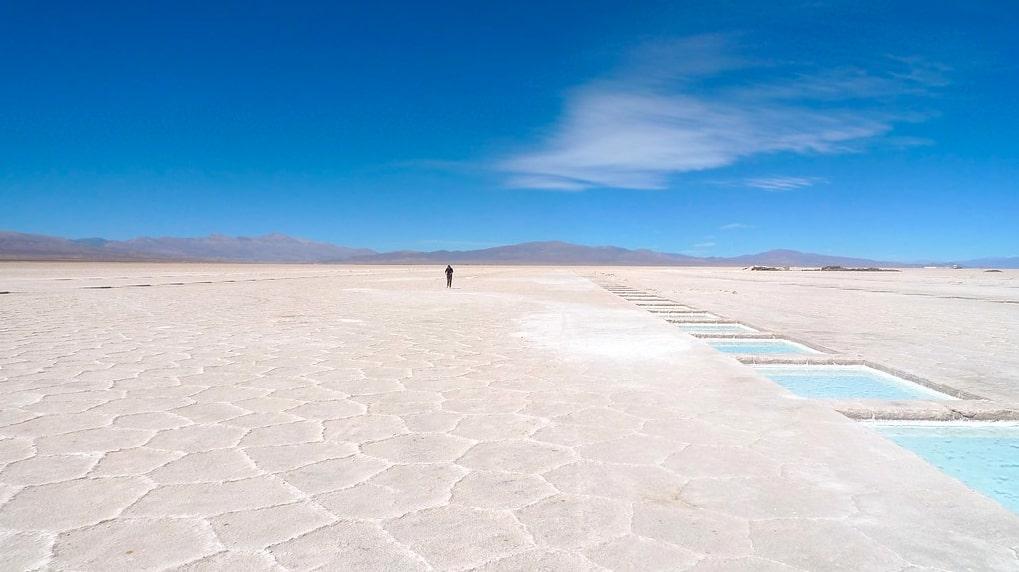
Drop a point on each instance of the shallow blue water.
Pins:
(695, 328)
(759, 347)
(985, 457)
(827, 382)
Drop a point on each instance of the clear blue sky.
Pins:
(712, 128)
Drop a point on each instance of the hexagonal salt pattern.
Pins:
(367, 419)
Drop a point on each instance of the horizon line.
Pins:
(928, 261)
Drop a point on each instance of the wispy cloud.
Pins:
(547, 181)
(735, 226)
(694, 105)
(456, 244)
(702, 248)
(776, 184)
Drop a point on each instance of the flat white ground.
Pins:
(324, 417)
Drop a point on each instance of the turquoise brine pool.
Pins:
(759, 347)
(984, 456)
(845, 382)
(712, 328)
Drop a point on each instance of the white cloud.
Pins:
(776, 184)
(678, 108)
(549, 182)
(735, 226)
(703, 245)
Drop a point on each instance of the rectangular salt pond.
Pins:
(769, 347)
(845, 382)
(985, 456)
(715, 328)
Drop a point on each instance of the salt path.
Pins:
(352, 418)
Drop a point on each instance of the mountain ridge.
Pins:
(282, 248)
(212, 248)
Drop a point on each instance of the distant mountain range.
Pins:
(575, 254)
(268, 248)
(286, 249)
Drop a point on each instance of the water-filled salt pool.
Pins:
(758, 347)
(985, 456)
(633, 298)
(715, 328)
(845, 382)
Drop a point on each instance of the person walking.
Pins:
(449, 276)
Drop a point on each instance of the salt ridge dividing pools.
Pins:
(678, 316)
(985, 456)
(715, 328)
(769, 347)
(846, 382)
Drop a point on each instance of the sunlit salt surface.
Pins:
(759, 347)
(845, 382)
(985, 456)
(715, 328)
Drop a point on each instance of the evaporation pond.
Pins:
(758, 346)
(715, 328)
(985, 456)
(845, 382)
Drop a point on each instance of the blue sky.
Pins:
(709, 128)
